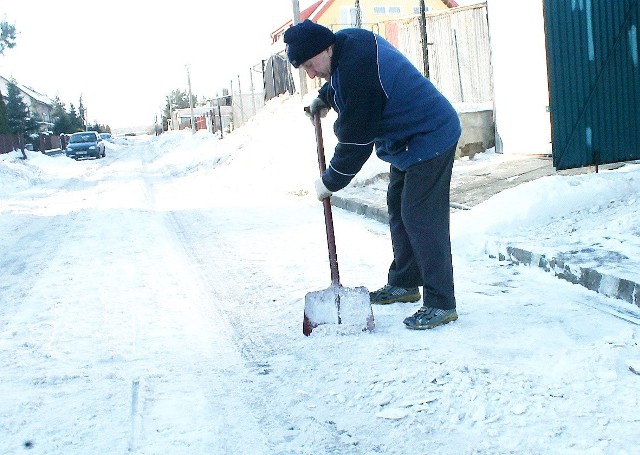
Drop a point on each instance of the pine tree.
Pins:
(7, 36)
(19, 118)
(61, 122)
(177, 99)
(82, 114)
(75, 120)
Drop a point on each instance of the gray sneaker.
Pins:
(391, 294)
(428, 318)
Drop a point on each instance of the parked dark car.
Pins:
(85, 144)
(107, 137)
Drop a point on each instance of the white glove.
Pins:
(317, 107)
(321, 190)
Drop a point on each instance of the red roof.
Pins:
(315, 11)
(309, 11)
(305, 14)
(320, 12)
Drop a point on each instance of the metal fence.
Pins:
(266, 80)
(245, 105)
(247, 96)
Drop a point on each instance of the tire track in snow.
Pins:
(227, 282)
(232, 251)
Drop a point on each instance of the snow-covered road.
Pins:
(108, 317)
(151, 302)
(133, 325)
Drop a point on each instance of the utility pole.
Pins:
(301, 72)
(253, 95)
(233, 101)
(193, 123)
(358, 15)
(423, 32)
(220, 117)
(241, 100)
(170, 122)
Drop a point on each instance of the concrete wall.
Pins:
(478, 132)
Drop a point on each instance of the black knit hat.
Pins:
(306, 40)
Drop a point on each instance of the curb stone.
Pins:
(592, 279)
(367, 208)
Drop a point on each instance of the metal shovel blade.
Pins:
(338, 305)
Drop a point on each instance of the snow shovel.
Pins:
(336, 304)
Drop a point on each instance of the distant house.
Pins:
(39, 105)
(212, 118)
(339, 14)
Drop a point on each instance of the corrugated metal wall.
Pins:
(594, 80)
(459, 52)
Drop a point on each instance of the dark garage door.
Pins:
(594, 80)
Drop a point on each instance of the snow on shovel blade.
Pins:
(335, 305)
(338, 305)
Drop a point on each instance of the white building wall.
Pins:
(521, 89)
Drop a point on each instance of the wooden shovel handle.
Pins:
(326, 202)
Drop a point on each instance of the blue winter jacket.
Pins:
(381, 98)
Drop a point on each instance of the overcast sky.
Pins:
(126, 58)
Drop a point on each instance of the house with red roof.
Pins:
(339, 14)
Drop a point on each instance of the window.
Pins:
(416, 9)
(349, 16)
(386, 10)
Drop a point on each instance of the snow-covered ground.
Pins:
(151, 302)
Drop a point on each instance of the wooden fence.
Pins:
(459, 55)
(458, 50)
(48, 142)
(10, 142)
